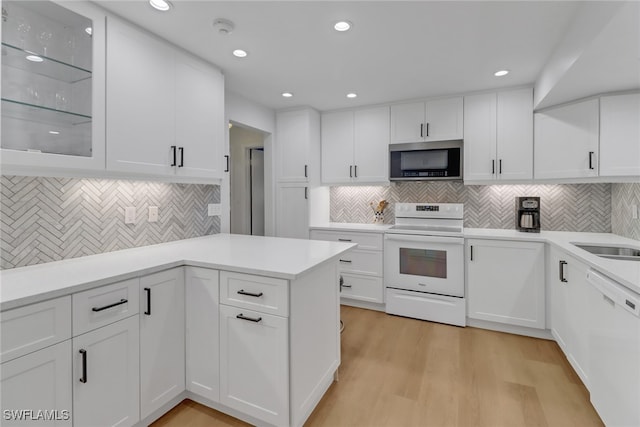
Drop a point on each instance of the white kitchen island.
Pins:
(247, 325)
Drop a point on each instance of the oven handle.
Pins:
(424, 239)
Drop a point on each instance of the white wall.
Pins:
(250, 114)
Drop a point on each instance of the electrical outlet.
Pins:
(634, 211)
(214, 209)
(153, 214)
(130, 215)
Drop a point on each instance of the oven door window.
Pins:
(423, 262)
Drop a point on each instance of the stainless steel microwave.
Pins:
(425, 161)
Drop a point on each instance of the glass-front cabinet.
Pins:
(53, 86)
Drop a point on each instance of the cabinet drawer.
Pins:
(264, 294)
(364, 288)
(361, 262)
(365, 241)
(30, 328)
(104, 305)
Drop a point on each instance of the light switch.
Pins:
(153, 214)
(129, 215)
(214, 209)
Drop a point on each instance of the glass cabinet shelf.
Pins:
(38, 113)
(17, 58)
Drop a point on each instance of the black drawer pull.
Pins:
(83, 378)
(122, 301)
(344, 240)
(250, 319)
(148, 291)
(345, 286)
(348, 261)
(630, 304)
(251, 294)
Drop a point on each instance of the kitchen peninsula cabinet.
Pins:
(433, 120)
(166, 113)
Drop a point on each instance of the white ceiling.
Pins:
(397, 50)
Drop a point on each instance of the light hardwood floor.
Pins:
(403, 372)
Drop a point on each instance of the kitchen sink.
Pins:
(612, 252)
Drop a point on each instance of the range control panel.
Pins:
(429, 210)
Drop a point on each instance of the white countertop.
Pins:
(627, 273)
(350, 226)
(266, 256)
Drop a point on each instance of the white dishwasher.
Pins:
(614, 351)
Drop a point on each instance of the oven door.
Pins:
(424, 263)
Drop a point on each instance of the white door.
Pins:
(407, 122)
(566, 141)
(337, 147)
(161, 339)
(480, 137)
(444, 119)
(140, 101)
(106, 375)
(292, 142)
(254, 364)
(505, 282)
(371, 145)
(202, 333)
(620, 135)
(39, 381)
(199, 118)
(515, 134)
(293, 211)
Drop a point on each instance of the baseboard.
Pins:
(362, 304)
(511, 329)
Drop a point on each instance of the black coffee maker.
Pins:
(528, 214)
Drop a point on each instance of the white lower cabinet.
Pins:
(254, 362)
(202, 332)
(38, 381)
(569, 312)
(162, 326)
(293, 211)
(106, 375)
(506, 282)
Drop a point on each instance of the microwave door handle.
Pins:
(424, 239)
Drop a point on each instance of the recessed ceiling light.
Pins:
(88, 30)
(34, 58)
(342, 26)
(54, 132)
(501, 73)
(352, 95)
(161, 5)
(239, 53)
(287, 94)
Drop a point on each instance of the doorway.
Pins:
(246, 148)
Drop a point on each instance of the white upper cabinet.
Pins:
(498, 136)
(53, 114)
(566, 141)
(620, 135)
(355, 146)
(166, 112)
(298, 131)
(434, 120)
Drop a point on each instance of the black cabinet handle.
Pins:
(83, 378)
(493, 167)
(148, 291)
(306, 170)
(427, 129)
(122, 301)
(500, 166)
(471, 250)
(173, 148)
(306, 193)
(250, 319)
(421, 130)
(345, 286)
(181, 157)
(355, 169)
(348, 261)
(561, 265)
(591, 153)
(344, 240)
(251, 294)
(350, 171)
(227, 157)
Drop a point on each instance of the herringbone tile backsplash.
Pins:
(580, 207)
(49, 219)
(623, 196)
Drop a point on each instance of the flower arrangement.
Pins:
(378, 211)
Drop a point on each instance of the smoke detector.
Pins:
(223, 26)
